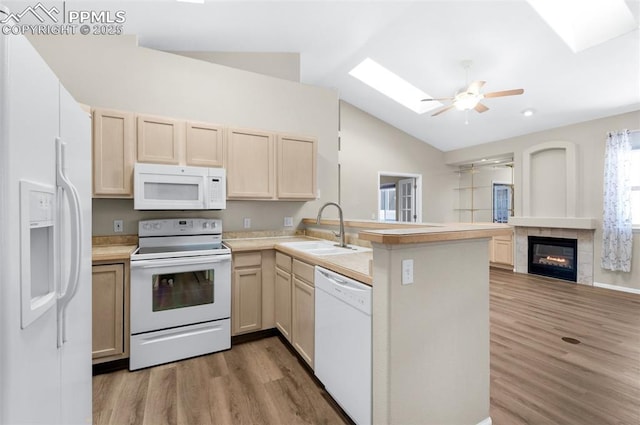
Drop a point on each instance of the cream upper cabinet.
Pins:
(204, 145)
(296, 164)
(114, 144)
(250, 164)
(160, 139)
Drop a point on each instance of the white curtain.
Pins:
(617, 230)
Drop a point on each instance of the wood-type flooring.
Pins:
(536, 377)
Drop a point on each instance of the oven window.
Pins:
(180, 290)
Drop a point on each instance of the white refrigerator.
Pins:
(45, 244)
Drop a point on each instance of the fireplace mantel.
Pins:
(583, 223)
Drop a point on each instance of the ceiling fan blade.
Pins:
(475, 86)
(481, 108)
(504, 93)
(445, 109)
(437, 100)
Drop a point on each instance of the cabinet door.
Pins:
(247, 300)
(205, 145)
(113, 153)
(159, 140)
(503, 251)
(283, 302)
(250, 165)
(303, 319)
(108, 310)
(296, 163)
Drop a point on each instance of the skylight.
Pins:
(586, 23)
(391, 85)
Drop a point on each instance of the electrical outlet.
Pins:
(288, 222)
(407, 272)
(118, 226)
(247, 223)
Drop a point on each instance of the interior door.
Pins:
(407, 200)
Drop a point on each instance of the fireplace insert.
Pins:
(553, 257)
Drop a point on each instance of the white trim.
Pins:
(418, 178)
(485, 421)
(617, 288)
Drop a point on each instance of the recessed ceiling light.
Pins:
(391, 85)
(583, 24)
(528, 112)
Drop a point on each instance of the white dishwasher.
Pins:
(343, 342)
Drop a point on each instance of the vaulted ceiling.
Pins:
(424, 42)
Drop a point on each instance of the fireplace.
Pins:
(553, 257)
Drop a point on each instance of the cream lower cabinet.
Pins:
(303, 318)
(114, 153)
(110, 312)
(502, 251)
(283, 295)
(252, 291)
(295, 304)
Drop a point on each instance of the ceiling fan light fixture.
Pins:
(465, 101)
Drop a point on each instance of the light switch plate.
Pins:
(288, 222)
(118, 226)
(247, 223)
(407, 272)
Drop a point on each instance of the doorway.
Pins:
(399, 197)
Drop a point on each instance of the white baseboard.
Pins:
(617, 288)
(485, 421)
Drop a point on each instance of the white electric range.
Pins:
(180, 291)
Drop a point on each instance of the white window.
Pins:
(635, 185)
(387, 210)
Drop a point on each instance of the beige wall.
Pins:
(589, 137)
(368, 146)
(113, 72)
(279, 65)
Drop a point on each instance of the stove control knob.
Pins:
(214, 224)
(205, 225)
(156, 226)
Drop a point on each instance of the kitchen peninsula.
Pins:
(431, 323)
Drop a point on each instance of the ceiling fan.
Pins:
(469, 98)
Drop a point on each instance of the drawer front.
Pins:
(303, 270)
(283, 261)
(247, 259)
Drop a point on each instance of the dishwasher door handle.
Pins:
(341, 282)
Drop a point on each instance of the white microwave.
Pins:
(176, 187)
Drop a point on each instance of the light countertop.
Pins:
(435, 233)
(356, 265)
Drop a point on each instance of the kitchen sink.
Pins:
(323, 248)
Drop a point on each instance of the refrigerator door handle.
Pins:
(67, 293)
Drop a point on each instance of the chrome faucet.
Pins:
(341, 234)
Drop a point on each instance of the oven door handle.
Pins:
(180, 261)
